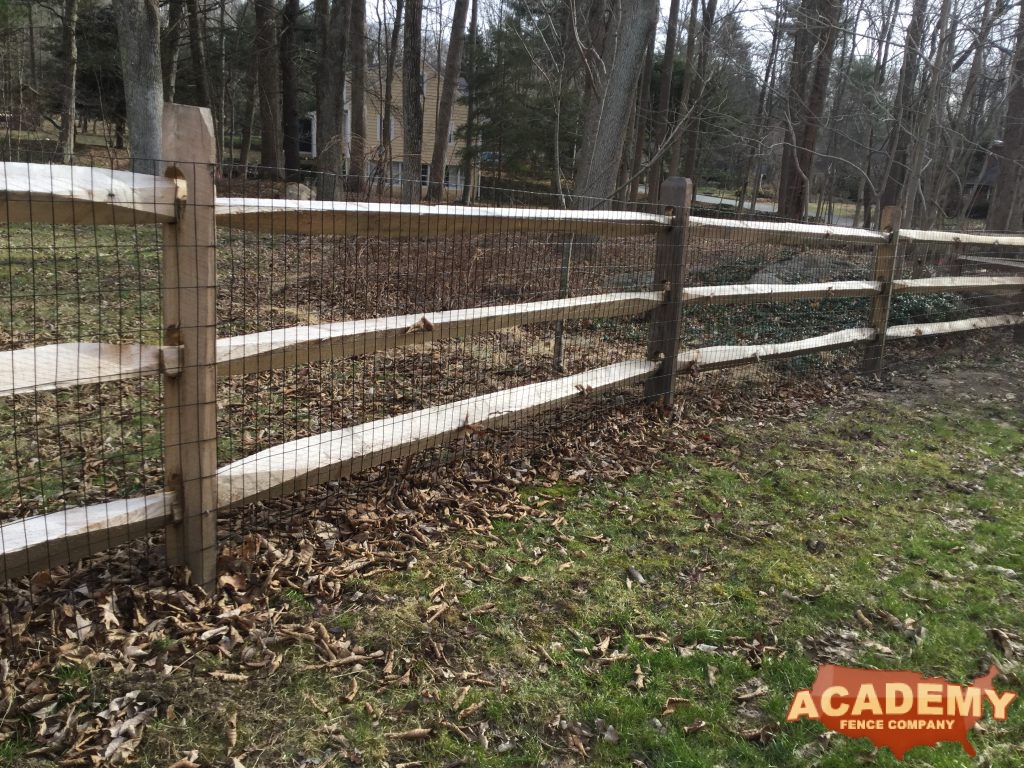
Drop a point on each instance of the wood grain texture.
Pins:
(669, 272)
(332, 455)
(189, 298)
(913, 330)
(44, 541)
(324, 217)
(299, 345)
(886, 260)
(714, 358)
(750, 293)
(320, 217)
(59, 366)
(961, 238)
(957, 284)
(783, 233)
(65, 194)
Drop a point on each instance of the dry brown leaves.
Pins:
(115, 614)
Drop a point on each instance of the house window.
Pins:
(424, 173)
(380, 128)
(453, 177)
(451, 133)
(396, 172)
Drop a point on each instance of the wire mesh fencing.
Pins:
(169, 353)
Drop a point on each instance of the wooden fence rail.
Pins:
(191, 357)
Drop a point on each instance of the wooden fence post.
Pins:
(190, 321)
(885, 270)
(669, 268)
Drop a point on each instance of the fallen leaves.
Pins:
(672, 704)
(639, 681)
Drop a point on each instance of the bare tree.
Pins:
(387, 115)
(289, 87)
(709, 9)
(1007, 204)
(618, 33)
(764, 108)
(882, 47)
(467, 160)
(138, 23)
(169, 44)
(641, 106)
(814, 42)
(331, 109)
(412, 102)
(446, 103)
(268, 76)
(197, 50)
(69, 41)
(686, 96)
(904, 111)
(357, 146)
(668, 63)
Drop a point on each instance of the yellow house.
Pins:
(391, 170)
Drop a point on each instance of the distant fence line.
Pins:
(192, 357)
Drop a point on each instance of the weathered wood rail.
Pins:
(191, 356)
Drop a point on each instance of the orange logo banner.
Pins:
(898, 710)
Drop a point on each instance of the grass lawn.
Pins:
(874, 533)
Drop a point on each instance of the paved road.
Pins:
(764, 207)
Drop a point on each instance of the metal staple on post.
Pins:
(669, 270)
(886, 258)
(189, 298)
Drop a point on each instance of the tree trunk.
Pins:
(138, 23)
(639, 129)
(197, 50)
(685, 96)
(268, 77)
(331, 125)
(467, 160)
(926, 130)
(387, 116)
(67, 111)
(357, 144)
(624, 35)
(33, 67)
(815, 41)
(412, 102)
(698, 119)
(1007, 205)
(641, 106)
(881, 59)
(905, 111)
(169, 47)
(763, 111)
(248, 120)
(447, 101)
(668, 62)
(289, 88)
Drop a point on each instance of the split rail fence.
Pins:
(192, 358)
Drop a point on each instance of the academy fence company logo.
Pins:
(898, 710)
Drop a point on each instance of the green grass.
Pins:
(764, 549)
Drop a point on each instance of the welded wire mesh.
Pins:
(449, 296)
(70, 286)
(363, 335)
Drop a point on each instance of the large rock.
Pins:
(293, 190)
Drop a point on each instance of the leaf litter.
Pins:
(107, 613)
